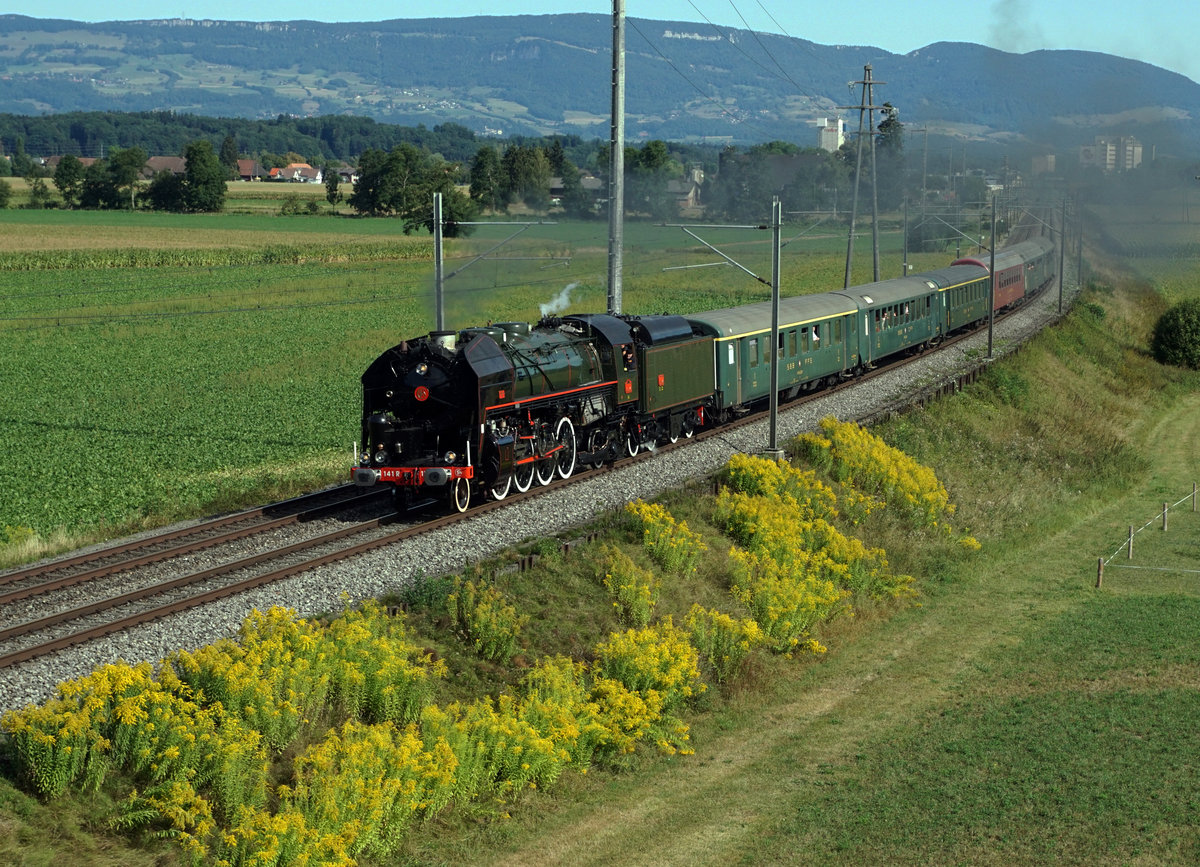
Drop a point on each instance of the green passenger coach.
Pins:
(817, 345)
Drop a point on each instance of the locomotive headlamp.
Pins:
(422, 369)
(450, 456)
(380, 455)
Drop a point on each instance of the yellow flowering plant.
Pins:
(670, 543)
(368, 783)
(378, 673)
(634, 589)
(722, 640)
(852, 454)
(659, 658)
(558, 702)
(485, 618)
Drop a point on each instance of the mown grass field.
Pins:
(1011, 713)
(159, 367)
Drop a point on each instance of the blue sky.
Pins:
(1166, 36)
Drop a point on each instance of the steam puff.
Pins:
(559, 302)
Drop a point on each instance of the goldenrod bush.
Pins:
(485, 618)
(635, 590)
(658, 658)
(854, 455)
(670, 543)
(369, 783)
(722, 640)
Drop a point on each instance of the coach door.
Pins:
(732, 375)
(627, 373)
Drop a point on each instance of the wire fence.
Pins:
(1159, 520)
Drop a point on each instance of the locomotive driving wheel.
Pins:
(545, 470)
(499, 492)
(523, 476)
(565, 434)
(596, 440)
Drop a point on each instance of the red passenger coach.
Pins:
(1010, 276)
(1019, 269)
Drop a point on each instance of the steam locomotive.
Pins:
(486, 410)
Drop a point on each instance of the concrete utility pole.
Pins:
(774, 452)
(616, 163)
(439, 274)
(866, 108)
(992, 280)
(1062, 253)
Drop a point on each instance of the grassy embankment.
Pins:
(1014, 714)
(159, 367)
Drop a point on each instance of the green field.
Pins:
(158, 366)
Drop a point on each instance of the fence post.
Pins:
(1130, 557)
(1164, 517)
(1100, 571)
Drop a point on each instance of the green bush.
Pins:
(1176, 337)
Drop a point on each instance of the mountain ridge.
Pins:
(548, 74)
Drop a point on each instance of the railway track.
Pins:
(115, 608)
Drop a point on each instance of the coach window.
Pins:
(779, 352)
(732, 358)
(754, 352)
(792, 343)
(837, 331)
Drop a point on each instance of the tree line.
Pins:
(398, 175)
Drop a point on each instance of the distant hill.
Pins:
(537, 75)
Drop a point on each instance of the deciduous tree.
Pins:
(229, 156)
(203, 178)
(125, 167)
(402, 183)
(1176, 338)
(486, 178)
(68, 179)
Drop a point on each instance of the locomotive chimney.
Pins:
(444, 339)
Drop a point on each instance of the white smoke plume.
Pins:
(559, 302)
